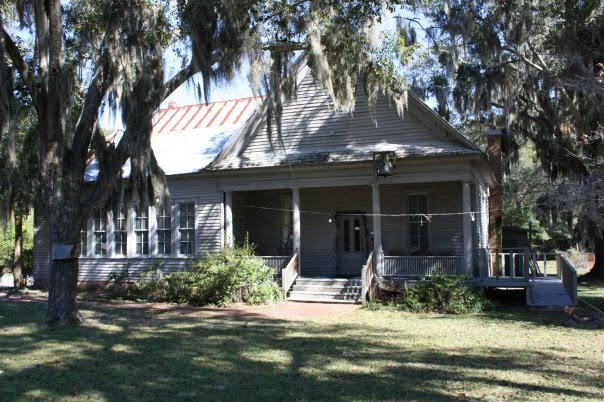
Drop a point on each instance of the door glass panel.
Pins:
(357, 235)
(346, 235)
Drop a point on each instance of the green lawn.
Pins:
(592, 293)
(128, 353)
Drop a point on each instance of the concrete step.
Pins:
(329, 293)
(334, 288)
(326, 290)
(314, 298)
(329, 281)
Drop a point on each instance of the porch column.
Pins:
(228, 219)
(377, 229)
(296, 220)
(467, 229)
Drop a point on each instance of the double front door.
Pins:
(352, 244)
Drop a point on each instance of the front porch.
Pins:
(414, 230)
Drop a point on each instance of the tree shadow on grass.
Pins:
(135, 354)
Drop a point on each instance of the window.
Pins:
(164, 230)
(83, 243)
(357, 235)
(418, 226)
(186, 228)
(141, 229)
(346, 234)
(121, 233)
(100, 233)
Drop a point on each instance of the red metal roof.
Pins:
(200, 117)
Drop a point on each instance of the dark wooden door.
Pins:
(352, 244)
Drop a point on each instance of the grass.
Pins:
(123, 353)
(592, 293)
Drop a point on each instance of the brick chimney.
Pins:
(495, 158)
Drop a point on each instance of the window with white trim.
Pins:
(186, 228)
(418, 225)
(100, 233)
(164, 230)
(120, 232)
(141, 230)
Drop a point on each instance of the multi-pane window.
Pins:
(418, 225)
(121, 233)
(186, 228)
(83, 242)
(100, 232)
(164, 230)
(141, 229)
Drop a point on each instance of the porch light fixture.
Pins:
(383, 163)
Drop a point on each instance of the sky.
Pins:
(187, 94)
(237, 88)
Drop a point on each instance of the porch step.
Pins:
(329, 281)
(326, 290)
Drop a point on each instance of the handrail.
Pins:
(569, 276)
(525, 261)
(276, 262)
(290, 273)
(367, 277)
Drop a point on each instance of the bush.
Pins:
(151, 284)
(229, 275)
(442, 294)
(180, 286)
(372, 305)
(226, 276)
(119, 282)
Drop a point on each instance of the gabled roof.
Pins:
(186, 139)
(221, 135)
(244, 150)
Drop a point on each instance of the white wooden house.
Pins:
(314, 192)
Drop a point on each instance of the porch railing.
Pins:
(569, 277)
(290, 273)
(276, 262)
(368, 275)
(518, 263)
(422, 265)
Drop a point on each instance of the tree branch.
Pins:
(22, 67)
(524, 58)
(103, 78)
(180, 78)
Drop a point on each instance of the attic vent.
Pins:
(383, 162)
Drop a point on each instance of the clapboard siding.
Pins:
(309, 124)
(445, 232)
(202, 190)
(95, 270)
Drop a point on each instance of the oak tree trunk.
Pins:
(597, 271)
(65, 224)
(63, 284)
(19, 280)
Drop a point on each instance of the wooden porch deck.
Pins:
(541, 291)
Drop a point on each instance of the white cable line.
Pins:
(423, 215)
(590, 305)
